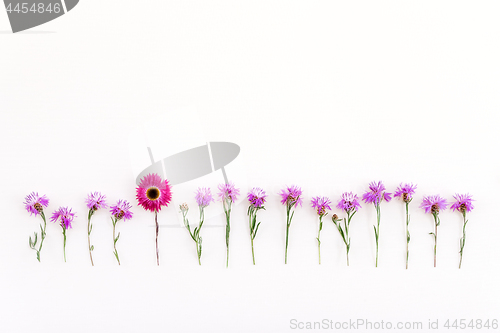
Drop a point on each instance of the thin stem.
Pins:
(64, 244)
(228, 230)
(462, 241)
(115, 240)
(319, 242)
(377, 232)
(253, 255)
(347, 240)
(198, 237)
(89, 229)
(407, 235)
(157, 229)
(43, 235)
(286, 242)
(435, 237)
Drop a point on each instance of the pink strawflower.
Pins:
(291, 196)
(405, 192)
(121, 210)
(96, 201)
(153, 193)
(376, 194)
(257, 197)
(348, 201)
(34, 203)
(433, 204)
(463, 203)
(65, 215)
(228, 192)
(321, 204)
(203, 197)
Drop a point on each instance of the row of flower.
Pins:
(153, 193)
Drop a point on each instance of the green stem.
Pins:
(64, 244)
(228, 230)
(319, 233)
(253, 255)
(287, 230)
(462, 241)
(115, 240)
(89, 230)
(407, 235)
(43, 236)
(377, 233)
(436, 223)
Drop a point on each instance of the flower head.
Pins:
(96, 201)
(204, 196)
(405, 191)
(463, 203)
(228, 191)
(257, 197)
(348, 201)
(291, 196)
(65, 215)
(376, 194)
(321, 204)
(153, 192)
(121, 210)
(184, 207)
(433, 204)
(34, 203)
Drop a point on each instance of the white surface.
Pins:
(328, 96)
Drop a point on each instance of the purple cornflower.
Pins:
(291, 196)
(65, 215)
(321, 204)
(257, 197)
(96, 201)
(463, 203)
(34, 203)
(405, 192)
(376, 194)
(204, 196)
(348, 202)
(228, 192)
(121, 210)
(433, 204)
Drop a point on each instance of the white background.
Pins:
(325, 95)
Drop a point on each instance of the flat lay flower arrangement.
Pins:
(154, 193)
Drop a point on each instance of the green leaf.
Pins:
(117, 237)
(92, 248)
(256, 228)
